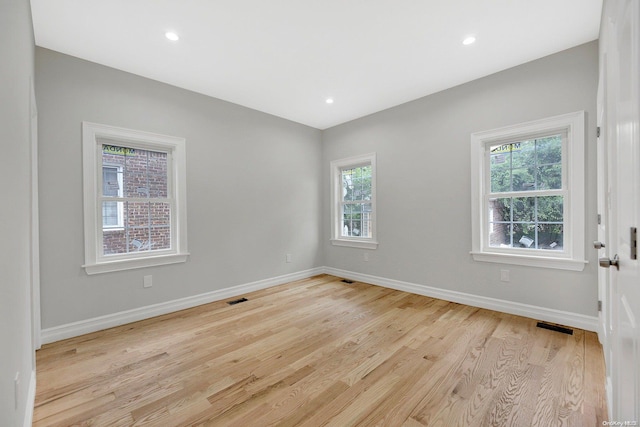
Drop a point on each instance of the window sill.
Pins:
(129, 264)
(531, 261)
(363, 244)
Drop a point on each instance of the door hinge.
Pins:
(598, 132)
(633, 242)
(599, 219)
(599, 305)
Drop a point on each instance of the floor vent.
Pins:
(555, 328)
(347, 281)
(237, 301)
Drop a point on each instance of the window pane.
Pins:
(500, 209)
(527, 165)
(500, 172)
(356, 183)
(351, 208)
(523, 154)
(549, 150)
(499, 234)
(524, 209)
(111, 179)
(135, 174)
(550, 209)
(145, 173)
(526, 222)
(549, 177)
(366, 230)
(160, 238)
(524, 235)
(112, 214)
(356, 220)
(113, 155)
(351, 226)
(139, 239)
(551, 236)
(113, 159)
(114, 241)
(160, 214)
(158, 174)
(136, 185)
(137, 214)
(523, 179)
(347, 185)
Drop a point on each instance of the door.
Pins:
(35, 229)
(604, 290)
(621, 133)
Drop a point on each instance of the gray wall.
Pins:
(424, 183)
(257, 189)
(253, 189)
(16, 72)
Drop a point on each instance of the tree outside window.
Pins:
(356, 202)
(524, 211)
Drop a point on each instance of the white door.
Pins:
(604, 290)
(621, 132)
(35, 230)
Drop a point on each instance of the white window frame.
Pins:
(92, 136)
(337, 166)
(572, 257)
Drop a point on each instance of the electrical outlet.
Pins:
(288, 258)
(147, 282)
(366, 256)
(504, 275)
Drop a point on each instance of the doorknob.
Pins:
(598, 245)
(606, 262)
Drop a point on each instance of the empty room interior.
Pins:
(305, 213)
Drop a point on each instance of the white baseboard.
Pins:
(31, 400)
(589, 323)
(70, 330)
(82, 327)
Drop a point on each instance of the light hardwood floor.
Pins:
(322, 352)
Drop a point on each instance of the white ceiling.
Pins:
(285, 57)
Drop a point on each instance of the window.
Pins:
(353, 201)
(528, 193)
(134, 199)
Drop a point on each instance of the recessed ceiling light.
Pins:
(172, 36)
(329, 101)
(469, 40)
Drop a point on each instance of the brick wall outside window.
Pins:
(145, 225)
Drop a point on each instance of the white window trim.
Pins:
(336, 190)
(92, 177)
(573, 255)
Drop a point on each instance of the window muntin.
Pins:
(353, 202)
(526, 193)
(134, 199)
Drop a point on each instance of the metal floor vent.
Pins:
(237, 301)
(347, 281)
(555, 328)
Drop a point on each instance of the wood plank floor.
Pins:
(322, 352)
